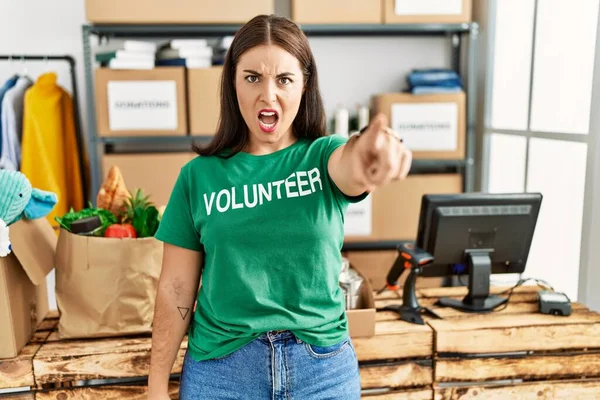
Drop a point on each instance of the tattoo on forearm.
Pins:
(183, 311)
(177, 287)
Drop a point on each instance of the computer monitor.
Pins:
(477, 234)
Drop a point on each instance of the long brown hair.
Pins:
(310, 122)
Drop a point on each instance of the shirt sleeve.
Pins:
(334, 142)
(177, 223)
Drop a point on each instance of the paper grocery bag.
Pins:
(106, 286)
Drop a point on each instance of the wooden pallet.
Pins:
(516, 352)
(513, 353)
(395, 363)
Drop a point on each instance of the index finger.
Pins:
(377, 124)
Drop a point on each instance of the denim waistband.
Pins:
(274, 336)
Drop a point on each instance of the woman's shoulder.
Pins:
(199, 161)
(196, 165)
(328, 142)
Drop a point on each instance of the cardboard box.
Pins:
(337, 11)
(392, 212)
(361, 320)
(141, 102)
(432, 126)
(154, 173)
(204, 86)
(176, 11)
(23, 291)
(427, 11)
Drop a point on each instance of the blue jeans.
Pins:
(275, 366)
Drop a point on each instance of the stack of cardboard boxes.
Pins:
(303, 11)
(175, 11)
(164, 101)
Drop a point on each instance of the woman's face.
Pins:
(269, 85)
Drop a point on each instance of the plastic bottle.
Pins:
(363, 117)
(342, 121)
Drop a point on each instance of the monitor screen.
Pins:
(500, 225)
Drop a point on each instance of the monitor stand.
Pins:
(410, 310)
(478, 299)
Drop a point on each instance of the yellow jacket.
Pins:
(49, 144)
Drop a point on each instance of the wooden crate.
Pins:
(398, 358)
(513, 353)
(516, 352)
(396, 363)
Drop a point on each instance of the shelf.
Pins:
(430, 163)
(384, 29)
(418, 165)
(216, 30)
(152, 139)
(123, 144)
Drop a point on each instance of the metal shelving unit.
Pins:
(456, 33)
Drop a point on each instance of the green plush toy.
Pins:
(19, 200)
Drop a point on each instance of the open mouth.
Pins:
(268, 120)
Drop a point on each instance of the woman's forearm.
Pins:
(177, 290)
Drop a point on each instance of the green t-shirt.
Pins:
(271, 228)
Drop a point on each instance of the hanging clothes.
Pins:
(50, 156)
(11, 117)
(12, 81)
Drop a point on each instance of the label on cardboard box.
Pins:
(426, 126)
(429, 7)
(358, 218)
(142, 105)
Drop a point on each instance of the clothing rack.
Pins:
(75, 98)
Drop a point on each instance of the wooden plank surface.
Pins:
(135, 392)
(129, 392)
(549, 390)
(523, 299)
(48, 324)
(506, 333)
(407, 374)
(96, 359)
(516, 328)
(461, 291)
(18, 372)
(546, 367)
(415, 343)
(407, 394)
(73, 348)
(522, 293)
(449, 312)
(18, 396)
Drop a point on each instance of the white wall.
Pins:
(590, 257)
(47, 27)
(350, 69)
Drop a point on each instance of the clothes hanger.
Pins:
(24, 70)
(13, 67)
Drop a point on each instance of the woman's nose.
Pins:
(269, 91)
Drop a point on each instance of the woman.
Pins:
(261, 210)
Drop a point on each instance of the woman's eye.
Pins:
(252, 78)
(285, 81)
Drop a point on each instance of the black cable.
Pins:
(510, 291)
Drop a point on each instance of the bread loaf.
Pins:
(113, 193)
